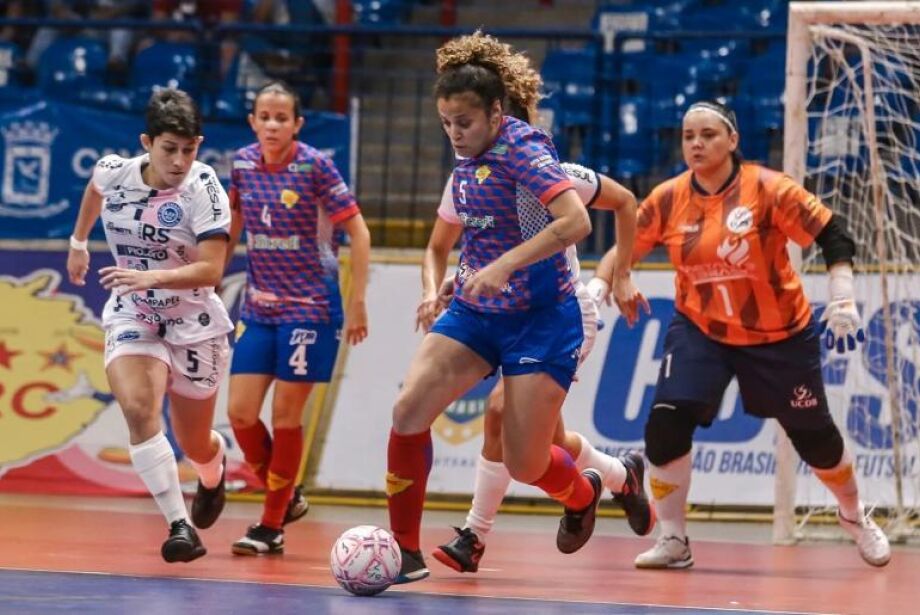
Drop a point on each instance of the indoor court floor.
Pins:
(101, 555)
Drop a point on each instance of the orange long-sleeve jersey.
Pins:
(734, 278)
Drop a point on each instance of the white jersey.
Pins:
(587, 185)
(151, 229)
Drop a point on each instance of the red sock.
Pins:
(256, 444)
(281, 475)
(408, 465)
(563, 483)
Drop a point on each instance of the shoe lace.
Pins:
(466, 538)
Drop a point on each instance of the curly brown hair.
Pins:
(520, 82)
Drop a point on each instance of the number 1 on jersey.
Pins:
(726, 299)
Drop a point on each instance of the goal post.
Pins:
(852, 136)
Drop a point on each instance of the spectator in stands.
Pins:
(15, 9)
(119, 40)
(211, 13)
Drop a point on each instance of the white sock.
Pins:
(670, 485)
(841, 481)
(209, 472)
(155, 462)
(492, 481)
(612, 470)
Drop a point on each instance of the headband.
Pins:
(727, 118)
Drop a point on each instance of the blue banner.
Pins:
(48, 150)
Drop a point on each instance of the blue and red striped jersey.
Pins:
(486, 191)
(289, 212)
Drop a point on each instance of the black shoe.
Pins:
(639, 512)
(576, 526)
(183, 544)
(413, 567)
(208, 503)
(463, 552)
(297, 507)
(260, 540)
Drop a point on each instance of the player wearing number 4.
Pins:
(292, 202)
(166, 221)
(741, 312)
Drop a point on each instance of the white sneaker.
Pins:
(668, 552)
(870, 539)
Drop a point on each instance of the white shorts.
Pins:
(195, 370)
(589, 319)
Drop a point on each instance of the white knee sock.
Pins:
(492, 481)
(209, 472)
(612, 470)
(670, 484)
(155, 462)
(841, 481)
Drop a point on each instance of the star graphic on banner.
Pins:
(6, 354)
(59, 358)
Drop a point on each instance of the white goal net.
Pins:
(853, 138)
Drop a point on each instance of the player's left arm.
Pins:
(205, 272)
(570, 225)
(356, 312)
(804, 219)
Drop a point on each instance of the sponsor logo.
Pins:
(339, 189)
(117, 229)
(212, 188)
(27, 171)
(243, 165)
(289, 198)
(204, 319)
(499, 150)
(259, 241)
(169, 214)
(157, 303)
(299, 167)
(576, 171)
(481, 222)
(128, 336)
(154, 254)
(156, 319)
(482, 174)
(114, 206)
(542, 161)
(110, 163)
(740, 219)
(689, 228)
(529, 361)
(734, 251)
(148, 232)
(803, 398)
(303, 336)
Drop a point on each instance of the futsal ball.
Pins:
(365, 560)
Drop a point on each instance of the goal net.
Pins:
(852, 135)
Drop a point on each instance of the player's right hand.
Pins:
(77, 266)
(628, 299)
(427, 312)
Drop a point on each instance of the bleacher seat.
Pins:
(69, 65)
(570, 74)
(10, 83)
(165, 64)
(381, 12)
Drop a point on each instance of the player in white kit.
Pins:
(166, 220)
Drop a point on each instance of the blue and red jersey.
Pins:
(487, 192)
(289, 212)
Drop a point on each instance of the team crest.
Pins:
(289, 198)
(463, 420)
(169, 214)
(740, 219)
(482, 174)
(27, 171)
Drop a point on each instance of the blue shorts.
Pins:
(780, 380)
(295, 352)
(540, 340)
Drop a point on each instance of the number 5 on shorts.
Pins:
(298, 360)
